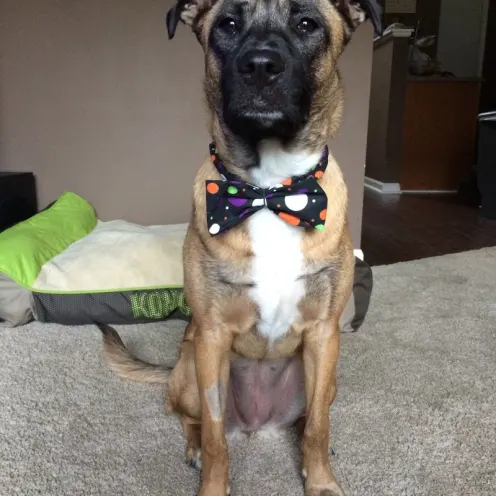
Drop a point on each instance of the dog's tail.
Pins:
(127, 366)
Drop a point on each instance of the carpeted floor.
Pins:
(415, 413)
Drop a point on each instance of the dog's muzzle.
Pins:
(265, 90)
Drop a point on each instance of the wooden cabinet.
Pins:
(422, 130)
(439, 133)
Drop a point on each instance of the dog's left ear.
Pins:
(186, 11)
(356, 12)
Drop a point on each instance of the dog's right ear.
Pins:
(185, 11)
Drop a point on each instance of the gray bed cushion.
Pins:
(15, 302)
(123, 307)
(16, 305)
(358, 304)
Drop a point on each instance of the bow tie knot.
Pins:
(299, 201)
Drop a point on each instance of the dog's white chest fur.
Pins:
(276, 267)
(278, 262)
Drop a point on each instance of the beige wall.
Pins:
(94, 99)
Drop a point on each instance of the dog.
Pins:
(268, 259)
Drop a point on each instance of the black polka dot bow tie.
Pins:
(299, 200)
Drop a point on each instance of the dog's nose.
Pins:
(260, 67)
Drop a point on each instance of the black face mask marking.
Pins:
(266, 53)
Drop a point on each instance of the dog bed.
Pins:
(66, 266)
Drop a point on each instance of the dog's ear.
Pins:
(356, 12)
(186, 11)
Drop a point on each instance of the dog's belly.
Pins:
(277, 266)
(265, 393)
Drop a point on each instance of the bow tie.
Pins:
(298, 200)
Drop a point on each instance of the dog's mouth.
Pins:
(262, 117)
(261, 114)
(258, 124)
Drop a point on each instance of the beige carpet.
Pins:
(415, 413)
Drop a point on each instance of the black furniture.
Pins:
(18, 200)
(486, 164)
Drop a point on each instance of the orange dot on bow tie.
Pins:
(212, 188)
(290, 219)
(212, 157)
(323, 214)
(287, 182)
(319, 174)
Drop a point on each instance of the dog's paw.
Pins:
(331, 489)
(193, 458)
(209, 490)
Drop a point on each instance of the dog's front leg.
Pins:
(212, 354)
(320, 355)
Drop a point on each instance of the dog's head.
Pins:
(271, 65)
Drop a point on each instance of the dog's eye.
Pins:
(229, 26)
(307, 25)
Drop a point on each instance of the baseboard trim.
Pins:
(395, 189)
(428, 191)
(383, 188)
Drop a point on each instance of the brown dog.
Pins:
(268, 261)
